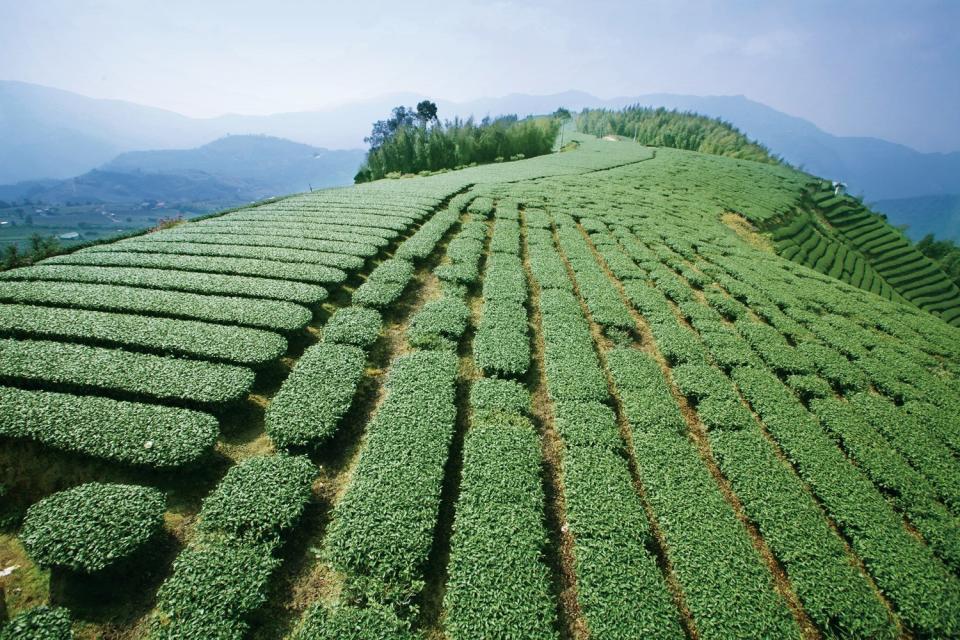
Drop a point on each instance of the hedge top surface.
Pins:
(92, 526)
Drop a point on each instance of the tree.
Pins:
(427, 112)
(562, 113)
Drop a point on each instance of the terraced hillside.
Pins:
(838, 236)
(565, 397)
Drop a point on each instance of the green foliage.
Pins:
(268, 314)
(382, 528)
(215, 584)
(726, 586)
(410, 148)
(171, 280)
(233, 266)
(81, 367)
(501, 346)
(259, 498)
(385, 284)
(438, 320)
(373, 622)
(92, 526)
(663, 128)
(166, 336)
(355, 326)
(39, 623)
(498, 586)
(421, 244)
(572, 368)
(314, 398)
(124, 432)
(926, 595)
(493, 396)
(210, 236)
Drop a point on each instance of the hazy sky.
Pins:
(880, 67)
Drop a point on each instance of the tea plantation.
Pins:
(615, 392)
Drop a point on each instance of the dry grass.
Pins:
(747, 232)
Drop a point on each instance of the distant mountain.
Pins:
(939, 215)
(232, 169)
(47, 133)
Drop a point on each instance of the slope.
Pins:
(452, 375)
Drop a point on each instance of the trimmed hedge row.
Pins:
(282, 225)
(439, 322)
(498, 587)
(314, 398)
(167, 279)
(893, 475)
(123, 432)
(926, 595)
(501, 346)
(385, 284)
(267, 314)
(144, 374)
(175, 235)
(837, 597)
(224, 575)
(184, 337)
(603, 300)
(727, 588)
(422, 243)
(258, 268)
(382, 528)
(353, 623)
(619, 586)
(347, 235)
(92, 526)
(572, 367)
(357, 326)
(39, 623)
(293, 256)
(259, 499)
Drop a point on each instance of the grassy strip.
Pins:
(83, 367)
(170, 280)
(572, 368)
(255, 267)
(181, 337)
(382, 528)
(311, 232)
(268, 314)
(224, 575)
(123, 432)
(317, 394)
(926, 595)
(724, 582)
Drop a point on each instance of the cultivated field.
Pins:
(577, 396)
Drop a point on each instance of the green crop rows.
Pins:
(614, 392)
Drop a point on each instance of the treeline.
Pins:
(678, 130)
(945, 253)
(415, 141)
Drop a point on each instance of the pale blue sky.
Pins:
(885, 68)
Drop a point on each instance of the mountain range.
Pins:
(50, 133)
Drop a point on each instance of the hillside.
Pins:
(57, 134)
(939, 215)
(578, 395)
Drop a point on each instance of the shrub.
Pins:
(125, 432)
(314, 398)
(39, 623)
(357, 326)
(92, 526)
